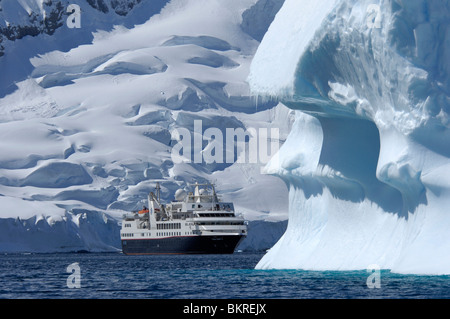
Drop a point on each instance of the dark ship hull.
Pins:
(182, 245)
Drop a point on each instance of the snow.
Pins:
(88, 117)
(80, 230)
(367, 160)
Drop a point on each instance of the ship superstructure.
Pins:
(194, 223)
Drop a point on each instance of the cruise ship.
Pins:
(194, 223)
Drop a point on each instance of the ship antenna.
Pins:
(158, 192)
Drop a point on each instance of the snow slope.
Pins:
(367, 162)
(89, 128)
(32, 27)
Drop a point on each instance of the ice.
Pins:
(262, 235)
(279, 55)
(207, 42)
(366, 160)
(57, 175)
(214, 60)
(80, 230)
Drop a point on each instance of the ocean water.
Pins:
(115, 276)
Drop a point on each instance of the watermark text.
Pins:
(374, 280)
(74, 280)
(74, 19)
(235, 145)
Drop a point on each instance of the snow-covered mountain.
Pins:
(368, 159)
(89, 115)
(32, 27)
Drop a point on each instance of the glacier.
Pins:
(367, 162)
(87, 115)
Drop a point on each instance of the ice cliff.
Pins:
(367, 162)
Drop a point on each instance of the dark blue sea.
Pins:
(116, 276)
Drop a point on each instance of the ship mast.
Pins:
(157, 199)
(158, 193)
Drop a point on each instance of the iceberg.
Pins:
(367, 162)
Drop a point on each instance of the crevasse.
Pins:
(367, 162)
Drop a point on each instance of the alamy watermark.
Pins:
(74, 19)
(235, 145)
(374, 280)
(74, 279)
